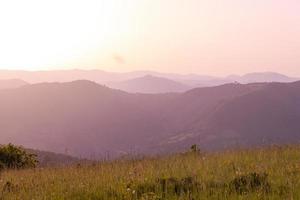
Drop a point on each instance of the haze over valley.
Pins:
(149, 99)
(91, 120)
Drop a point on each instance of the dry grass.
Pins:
(272, 173)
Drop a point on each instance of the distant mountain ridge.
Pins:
(150, 84)
(262, 77)
(11, 83)
(93, 121)
(98, 76)
(133, 81)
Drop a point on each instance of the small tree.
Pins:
(194, 148)
(14, 157)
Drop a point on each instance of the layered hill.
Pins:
(94, 121)
(150, 84)
(11, 83)
(82, 116)
(105, 77)
(262, 77)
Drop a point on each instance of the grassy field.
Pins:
(272, 173)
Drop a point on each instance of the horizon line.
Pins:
(148, 71)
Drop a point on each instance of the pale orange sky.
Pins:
(216, 37)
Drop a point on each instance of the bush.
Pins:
(14, 157)
(195, 149)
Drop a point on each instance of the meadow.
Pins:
(264, 173)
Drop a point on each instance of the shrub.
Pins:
(194, 148)
(14, 157)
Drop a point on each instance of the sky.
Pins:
(215, 37)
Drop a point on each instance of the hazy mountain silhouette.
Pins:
(98, 76)
(262, 77)
(150, 84)
(91, 120)
(268, 115)
(247, 115)
(103, 77)
(81, 116)
(63, 75)
(11, 83)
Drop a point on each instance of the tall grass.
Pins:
(272, 173)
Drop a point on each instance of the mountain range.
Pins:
(142, 81)
(94, 121)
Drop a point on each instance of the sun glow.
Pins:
(215, 37)
(41, 34)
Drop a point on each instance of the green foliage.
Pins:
(13, 157)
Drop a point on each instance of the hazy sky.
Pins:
(187, 36)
